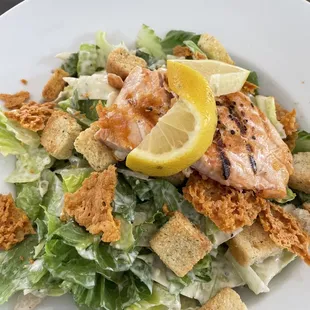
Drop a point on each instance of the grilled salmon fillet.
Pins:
(143, 99)
(247, 152)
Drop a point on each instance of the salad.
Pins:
(151, 178)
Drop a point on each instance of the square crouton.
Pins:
(98, 155)
(121, 62)
(252, 245)
(180, 245)
(226, 299)
(54, 85)
(59, 135)
(300, 179)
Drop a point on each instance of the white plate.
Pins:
(269, 36)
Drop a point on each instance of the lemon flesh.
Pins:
(184, 133)
(223, 78)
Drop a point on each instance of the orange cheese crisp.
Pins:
(227, 207)
(285, 231)
(14, 101)
(90, 206)
(14, 223)
(32, 116)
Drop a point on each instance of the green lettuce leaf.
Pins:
(127, 240)
(29, 199)
(144, 272)
(29, 166)
(87, 63)
(74, 178)
(70, 64)
(203, 269)
(54, 198)
(267, 105)
(253, 78)
(302, 142)
(13, 268)
(149, 42)
(290, 195)
(177, 37)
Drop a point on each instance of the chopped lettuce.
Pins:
(95, 86)
(177, 37)
(194, 48)
(144, 272)
(290, 195)
(127, 239)
(29, 166)
(13, 268)
(74, 178)
(150, 43)
(29, 198)
(267, 105)
(249, 276)
(70, 64)
(87, 63)
(302, 142)
(253, 78)
(54, 198)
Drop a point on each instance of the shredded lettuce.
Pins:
(87, 63)
(70, 64)
(302, 142)
(29, 166)
(148, 42)
(177, 37)
(74, 178)
(268, 106)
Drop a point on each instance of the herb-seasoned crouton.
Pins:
(180, 245)
(32, 116)
(115, 81)
(252, 245)
(300, 179)
(227, 207)
(226, 299)
(55, 85)
(120, 62)
(98, 155)
(15, 101)
(214, 49)
(59, 135)
(14, 223)
(90, 205)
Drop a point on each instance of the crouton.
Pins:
(24, 81)
(59, 135)
(226, 299)
(180, 245)
(98, 155)
(32, 116)
(214, 49)
(14, 223)
(121, 62)
(252, 245)
(285, 231)
(115, 81)
(306, 206)
(54, 85)
(227, 207)
(300, 179)
(14, 101)
(90, 205)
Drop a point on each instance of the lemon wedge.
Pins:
(223, 78)
(184, 133)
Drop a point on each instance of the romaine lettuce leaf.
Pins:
(150, 43)
(70, 64)
(253, 78)
(87, 63)
(203, 269)
(290, 195)
(127, 240)
(144, 272)
(177, 37)
(303, 142)
(54, 198)
(29, 166)
(74, 178)
(29, 198)
(13, 268)
(267, 105)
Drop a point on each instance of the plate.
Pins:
(270, 37)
